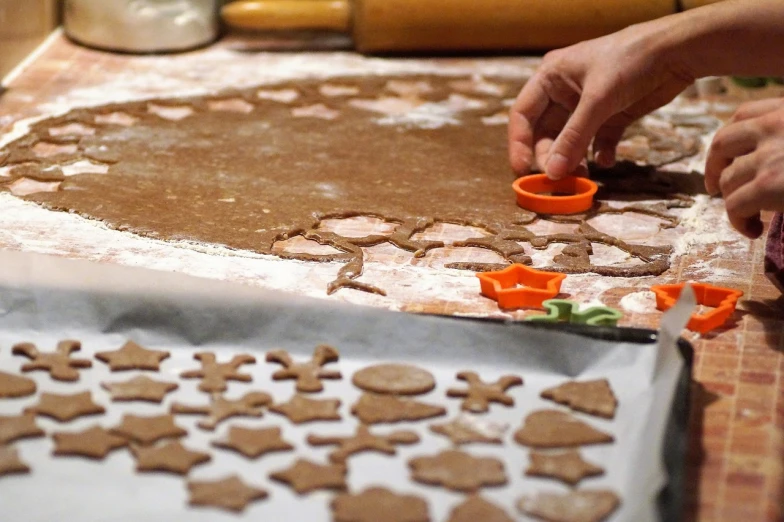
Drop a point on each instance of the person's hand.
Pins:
(746, 164)
(594, 89)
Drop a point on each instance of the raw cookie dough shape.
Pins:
(363, 440)
(479, 394)
(253, 443)
(476, 509)
(378, 504)
(567, 466)
(59, 363)
(380, 409)
(470, 429)
(171, 457)
(458, 471)
(309, 374)
(94, 443)
(305, 476)
(558, 429)
(255, 186)
(14, 427)
(592, 397)
(300, 409)
(139, 388)
(66, 407)
(10, 463)
(132, 356)
(14, 386)
(229, 493)
(221, 408)
(394, 379)
(148, 430)
(588, 505)
(214, 375)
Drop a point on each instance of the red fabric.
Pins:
(774, 252)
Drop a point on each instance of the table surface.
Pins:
(736, 457)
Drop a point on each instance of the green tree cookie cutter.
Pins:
(566, 311)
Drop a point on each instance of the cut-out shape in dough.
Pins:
(116, 118)
(26, 186)
(409, 88)
(387, 105)
(230, 105)
(278, 95)
(170, 112)
(44, 149)
(84, 167)
(72, 129)
(333, 91)
(318, 110)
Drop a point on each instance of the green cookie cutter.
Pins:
(565, 311)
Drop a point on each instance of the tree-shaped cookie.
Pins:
(220, 408)
(477, 509)
(363, 440)
(378, 409)
(479, 394)
(593, 397)
(307, 374)
(458, 471)
(58, 363)
(214, 375)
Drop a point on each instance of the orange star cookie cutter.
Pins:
(540, 194)
(723, 301)
(520, 286)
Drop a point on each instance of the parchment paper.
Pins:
(45, 299)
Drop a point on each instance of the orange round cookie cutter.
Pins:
(534, 193)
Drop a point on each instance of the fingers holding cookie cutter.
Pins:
(520, 286)
(563, 310)
(542, 195)
(723, 300)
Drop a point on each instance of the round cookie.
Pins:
(394, 379)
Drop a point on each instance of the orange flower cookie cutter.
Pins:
(540, 194)
(723, 301)
(520, 286)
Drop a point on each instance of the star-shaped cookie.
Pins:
(306, 476)
(172, 457)
(253, 443)
(66, 407)
(132, 356)
(146, 430)
(300, 409)
(566, 466)
(229, 493)
(140, 388)
(94, 443)
(15, 427)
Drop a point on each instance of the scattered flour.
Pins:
(639, 302)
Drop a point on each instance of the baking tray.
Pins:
(45, 299)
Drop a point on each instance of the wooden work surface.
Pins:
(736, 463)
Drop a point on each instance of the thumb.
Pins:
(572, 143)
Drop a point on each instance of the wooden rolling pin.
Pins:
(449, 25)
